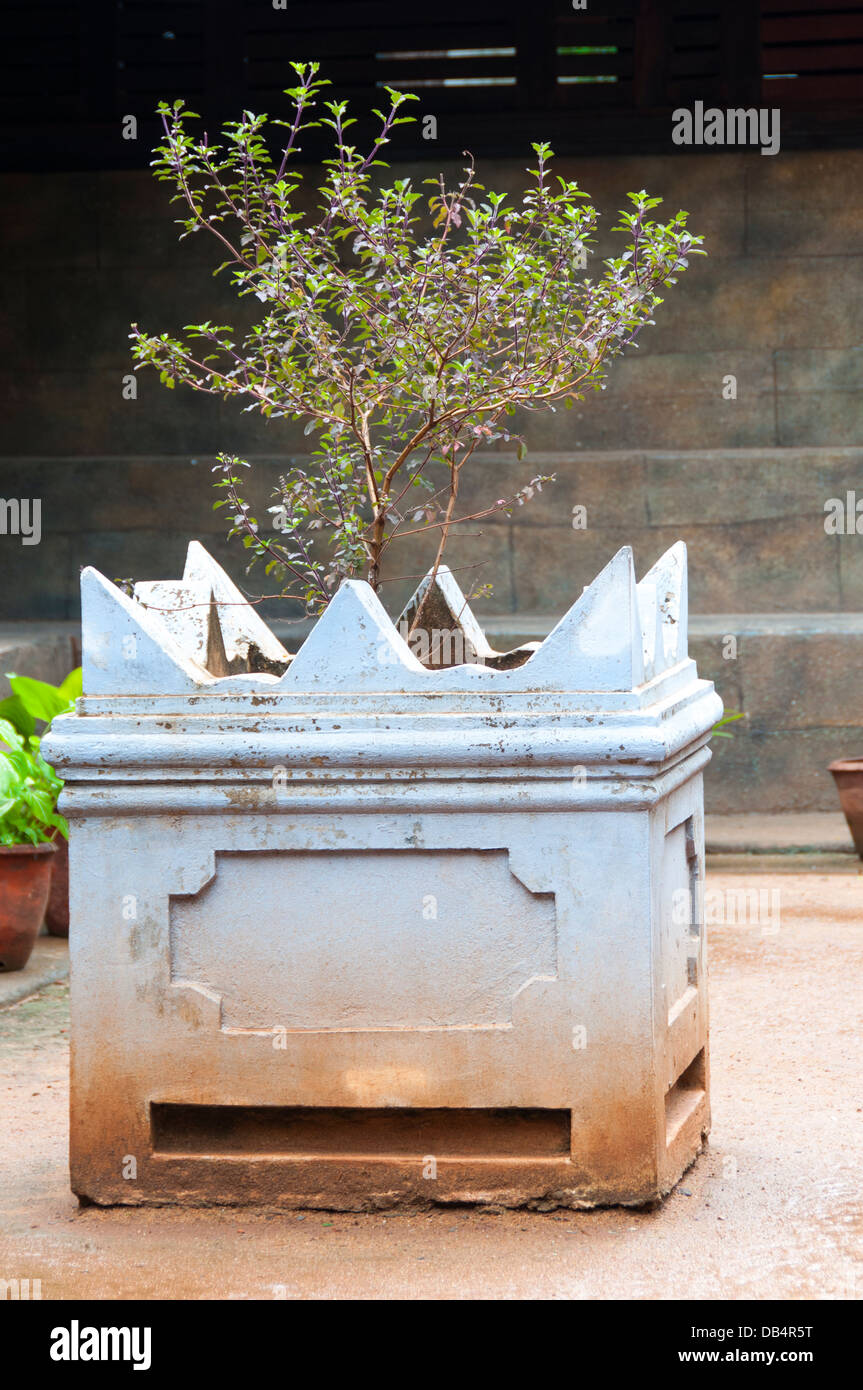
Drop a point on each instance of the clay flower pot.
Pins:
(848, 773)
(57, 911)
(25, 881)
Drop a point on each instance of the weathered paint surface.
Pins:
(321, 909)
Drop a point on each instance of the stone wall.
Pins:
(753, 520)
(777, 303)
(659, 455)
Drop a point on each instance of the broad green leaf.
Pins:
(10, 735)
(12, 709)
(72, 686)
(41, 700)
(40, 802)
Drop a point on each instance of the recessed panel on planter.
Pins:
(682, 946)
(363, 939)
(681, 931)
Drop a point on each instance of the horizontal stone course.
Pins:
(808, 369)
(657, 456)
(782, 277)
(795, 676)
(44, 651)
(807, 203)
(754, 521)
(779, 771)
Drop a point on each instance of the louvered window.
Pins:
(495, 74)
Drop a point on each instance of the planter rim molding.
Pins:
(603, 711)
(616, 637)
(43, 847)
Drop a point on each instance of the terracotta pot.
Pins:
(25, 881)
(848, 773)
(57, 911)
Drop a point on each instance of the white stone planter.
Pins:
(365, 932)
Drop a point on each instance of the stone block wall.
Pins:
(659, 455)
(753, 519)
(777, 303)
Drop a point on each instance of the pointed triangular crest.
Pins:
(651, 632)
(597, 645)
(445, 608)
(184, 610)
(445, 611)
(126, 650)
(190, 614)
(353, 646)
(242, 627)
(169, 639)
(664, 611)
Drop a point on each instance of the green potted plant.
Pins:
(33, 836)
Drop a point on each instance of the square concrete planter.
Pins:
(348, 931)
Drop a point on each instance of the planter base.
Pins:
(379, 1185)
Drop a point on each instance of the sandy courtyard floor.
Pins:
(773, 1209)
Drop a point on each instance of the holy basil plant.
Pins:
(405, 337)
(29, 787)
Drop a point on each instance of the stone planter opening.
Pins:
(370, 924)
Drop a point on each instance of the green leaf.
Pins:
(12, 709)
(10, 735)
(20, 761)
(41, 700)
(41, 803)
(718, 731)
(73, 685)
